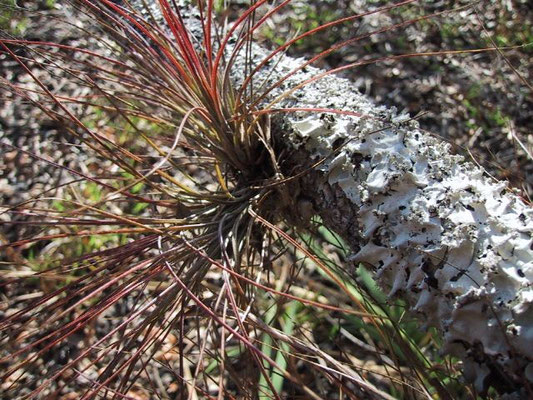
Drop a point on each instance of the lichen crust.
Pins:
(438, 231)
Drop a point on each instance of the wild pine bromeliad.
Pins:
(244, 152)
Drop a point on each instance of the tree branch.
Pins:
(437, 232)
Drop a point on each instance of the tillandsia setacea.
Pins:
(215, 168)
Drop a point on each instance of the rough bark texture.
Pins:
(439, 233)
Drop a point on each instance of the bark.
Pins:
(437, 231)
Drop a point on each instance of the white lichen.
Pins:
(451, 241)
(439, 233)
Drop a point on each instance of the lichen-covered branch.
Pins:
(438, 232)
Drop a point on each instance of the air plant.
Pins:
(206, 233)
